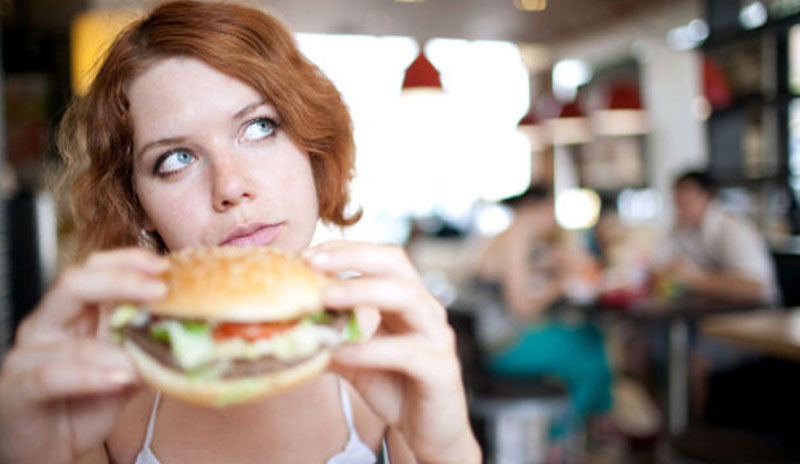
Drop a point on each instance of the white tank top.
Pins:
(354, 452)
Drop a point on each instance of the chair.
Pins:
(512, 416)
(787, 273)
(706, 444)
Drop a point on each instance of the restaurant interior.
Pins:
(459, 106)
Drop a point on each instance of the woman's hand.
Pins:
(61, 387)
(408, 371)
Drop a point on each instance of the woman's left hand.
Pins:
(408, 371)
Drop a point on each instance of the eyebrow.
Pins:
(177, 140)
(250, 108)
(155, 143)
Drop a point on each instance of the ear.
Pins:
(147, 224)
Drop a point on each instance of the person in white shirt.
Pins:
(715, 252)
(719, 255)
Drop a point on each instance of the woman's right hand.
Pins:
(62, 385)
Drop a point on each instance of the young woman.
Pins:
(522, 275)
(206, 126)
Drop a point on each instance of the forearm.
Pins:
(530, 304)
(95, 456)
(727, 286)
(465, 450)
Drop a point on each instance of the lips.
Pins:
(251, 235)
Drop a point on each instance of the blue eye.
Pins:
(173, 161)
(259, 129)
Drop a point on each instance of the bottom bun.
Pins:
(224, 392)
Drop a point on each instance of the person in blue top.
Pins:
(524, 270)
(203, 124)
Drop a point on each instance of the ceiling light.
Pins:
(421, 74)
(688, 36)
(568, 75)
(577, 208)
(530, 5)
(753, 15)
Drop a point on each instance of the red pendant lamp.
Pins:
(421, 74)
(534, 130)
(571, 126)
(623, 112)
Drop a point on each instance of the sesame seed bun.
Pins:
(240, 284)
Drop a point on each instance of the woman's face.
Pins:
(212, 164)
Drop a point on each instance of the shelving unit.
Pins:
(746, 76)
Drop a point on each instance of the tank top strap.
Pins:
(347, 408)
(151, 422)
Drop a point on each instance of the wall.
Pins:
(670, 80)
(5, 291)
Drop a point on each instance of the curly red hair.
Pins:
(96, 134)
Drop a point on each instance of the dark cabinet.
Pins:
(751, 80)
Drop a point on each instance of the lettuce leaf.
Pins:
(191, 341)
(352, 332)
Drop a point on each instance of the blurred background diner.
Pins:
(586, 185)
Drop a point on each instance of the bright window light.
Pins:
(688, 36)
(492, 219)
(697, 30)
(568, 75)
(639, 206)
(422, 155)
(753, 15)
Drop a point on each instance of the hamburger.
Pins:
(237, 323)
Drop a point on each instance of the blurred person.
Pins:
(524, 270)
(206, 126)
(719, 255)
(716, 253)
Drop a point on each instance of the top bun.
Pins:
(240, 284)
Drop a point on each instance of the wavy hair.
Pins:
(96, 135)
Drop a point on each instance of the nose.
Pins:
(231, 184)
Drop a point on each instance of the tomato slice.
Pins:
(251, 331)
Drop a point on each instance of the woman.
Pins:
(206, 126)
(523, 274)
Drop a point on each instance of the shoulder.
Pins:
(128, 435)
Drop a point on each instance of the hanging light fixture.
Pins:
(623, 113)
(534, 131)
(421, 74)
(571, 126)
(530, 5)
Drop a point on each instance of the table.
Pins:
(677, 315)
(774, 332)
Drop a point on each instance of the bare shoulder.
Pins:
(128, 435)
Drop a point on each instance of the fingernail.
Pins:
(317, 257)
(119, 376)
(334, 293)
(155, 288)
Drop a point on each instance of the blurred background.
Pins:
(458, 104)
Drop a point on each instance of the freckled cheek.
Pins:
(173, 215)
